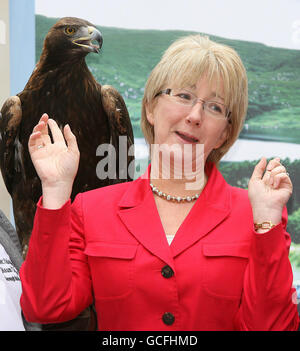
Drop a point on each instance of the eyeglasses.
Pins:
(186, 98)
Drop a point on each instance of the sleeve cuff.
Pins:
(40, 205)
(49, 221)
(270, 243)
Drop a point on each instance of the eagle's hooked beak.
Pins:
(86, 41)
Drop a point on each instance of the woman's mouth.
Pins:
(187, 138)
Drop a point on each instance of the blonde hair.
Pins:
(183, 64)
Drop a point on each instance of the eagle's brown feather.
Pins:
(62, 86)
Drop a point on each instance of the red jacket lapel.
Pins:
(139, 214)
(211, 208)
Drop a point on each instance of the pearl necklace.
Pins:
(168, 197)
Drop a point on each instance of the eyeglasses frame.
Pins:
(168, 92)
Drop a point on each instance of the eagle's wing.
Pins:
(10, 119)
(119, 124)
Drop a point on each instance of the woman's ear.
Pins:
(149, 113)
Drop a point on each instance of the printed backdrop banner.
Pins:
(272, 126)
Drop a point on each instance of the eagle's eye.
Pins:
(70, 30)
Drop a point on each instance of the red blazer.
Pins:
(109, 245)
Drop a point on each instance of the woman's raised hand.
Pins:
(269, 190)
(56, 162)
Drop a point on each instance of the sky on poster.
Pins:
(271, 22)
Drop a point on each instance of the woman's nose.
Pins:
(196, 114)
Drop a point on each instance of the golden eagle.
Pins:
(62, 86)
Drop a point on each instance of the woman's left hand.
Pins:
(269, 190)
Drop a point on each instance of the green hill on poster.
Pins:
(128, 56)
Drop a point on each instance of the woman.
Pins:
(110, 244)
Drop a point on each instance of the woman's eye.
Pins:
(215, 107)
(70, 30)
(184, 96)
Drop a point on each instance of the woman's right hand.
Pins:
(56, 163)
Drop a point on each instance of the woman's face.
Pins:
(177, 124)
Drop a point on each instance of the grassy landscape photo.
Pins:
(128, 56)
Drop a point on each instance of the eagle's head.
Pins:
(72, 37)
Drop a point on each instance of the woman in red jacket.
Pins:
(178, 248)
